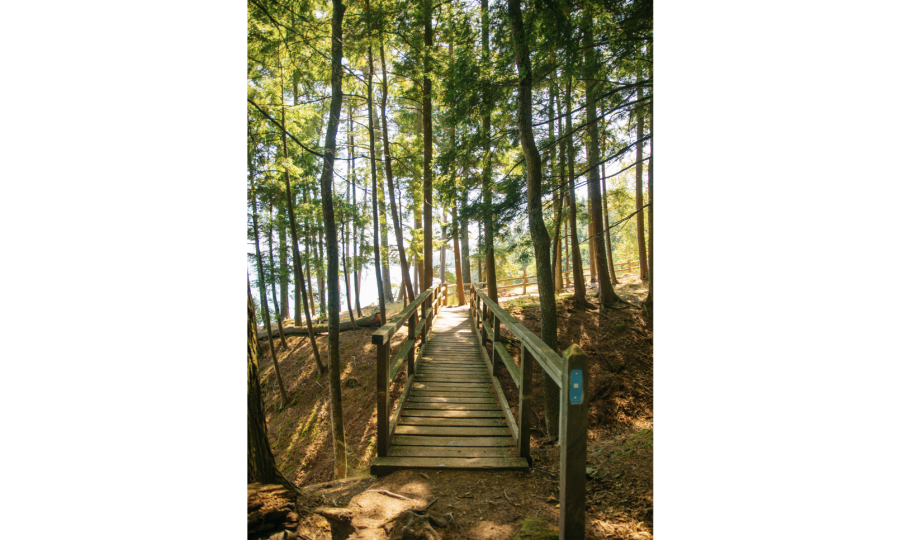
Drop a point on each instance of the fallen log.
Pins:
(370, 321)
(271, 509)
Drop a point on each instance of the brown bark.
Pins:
(578, 273)
(368, 321)
(460, 294)
(298, 270)
(272, 281)
(603, 260)
(383, 218)
(334, 308)
(355, 240)
(375, 221)
(388, 173)
(427, 207)
(260, 461)
(540, 237)
(490, 268)
(609, 257)
(262, 286)
(639, 188)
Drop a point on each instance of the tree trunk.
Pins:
(388, 173)
(260, 461)
(590, 240)
(639, 197)
(558, 184)
(427, 248)
(606, 291)
(298, 270)
(309, 287)
(609, 257)
(490, 268)
(383, 218)
(555, 181)
(464, 239)
(540, 238)
(648, 302)
(368, 321)
(272, 281)
(443, 275)
(578, 269)
(345, 233)
(334, 308)
(262, 287)
(283, 266)
(375, 221)
(355, 241)
(460, 294)
(567, 266)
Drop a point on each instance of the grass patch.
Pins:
(537, 528)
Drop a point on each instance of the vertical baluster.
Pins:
(525, 404)
(411, 336)
(382, 397)
(495, 356)
(573, 443)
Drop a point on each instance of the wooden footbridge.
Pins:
(453, 414)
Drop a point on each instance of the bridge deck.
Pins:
(451, 418)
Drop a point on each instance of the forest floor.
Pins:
(496, 504)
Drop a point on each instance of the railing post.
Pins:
(524, 277)
(573, 407)
(525, 405)
(382, 398)
(411, 335)
(495, 356)
(629, 267)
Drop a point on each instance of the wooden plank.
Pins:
(465, 377)
(385, 465)
(396, 415)
(453, 431)
(435, 413)
(429, 421)
(421, 440)
(449, 386)
(419, 393)
(454, 399)
(444, 451)
(454, 406)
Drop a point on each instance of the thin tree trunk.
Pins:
(609, 257)
(460, 294)
(345, 233)
(283, 266)
(590, 240)
(272, 281)
(639, 198)
(262, 286)
(334, 308)
(311, 295)
(298, 270)
(464, 239)
(388, 173)
(260, 461)
(383, 217)
(606, 291)
(648, 302)
(578, 269)
(375, 221)
(558, 193)
(539, 236)
(566, 240)
(490, 268)
(355, 241)
(443, 275)
(427, 247)
(320, 274)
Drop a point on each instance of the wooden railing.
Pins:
(627, 266)
(430, 302)
(570, 373)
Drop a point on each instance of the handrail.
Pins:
(570, 373)
(387, 368)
